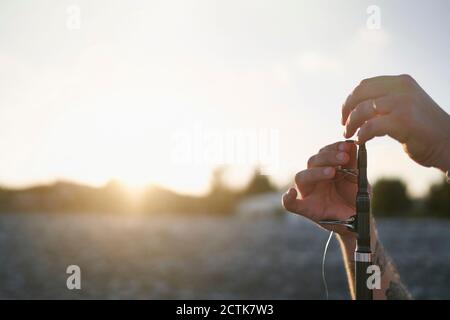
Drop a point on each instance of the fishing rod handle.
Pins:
(363, 255)
(362, 289)
(363, 220)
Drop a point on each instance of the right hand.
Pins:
(325, 193)
(397, 106)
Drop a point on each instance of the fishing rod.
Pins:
(363, 255)
(360, 224)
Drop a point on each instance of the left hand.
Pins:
(324, 193)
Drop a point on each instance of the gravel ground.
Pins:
(145, 257)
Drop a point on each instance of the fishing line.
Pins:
(324, 280)
(345, 172)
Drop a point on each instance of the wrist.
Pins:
(348, 245)
(348, 240)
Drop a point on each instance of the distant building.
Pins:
(261, 205)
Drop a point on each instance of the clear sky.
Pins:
(102, 95)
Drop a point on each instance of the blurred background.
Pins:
(149, 143)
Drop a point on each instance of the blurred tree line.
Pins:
(63, 197)
(391, 198)
(223, 199)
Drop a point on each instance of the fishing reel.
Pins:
(350, 223)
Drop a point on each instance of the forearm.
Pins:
(391, 286)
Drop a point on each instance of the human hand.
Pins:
(397, 106)
(326, 194)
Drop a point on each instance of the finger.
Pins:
(291, 203)
(363, 112)
(306, 179)
(387, 104)
(380, 126)
(338, 146)
(367, 89)
(369, 109)
(352, 162)
(328, 158)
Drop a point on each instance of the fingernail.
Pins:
(290, 192)
(358, 139)
(327, 171)
(340, 156)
